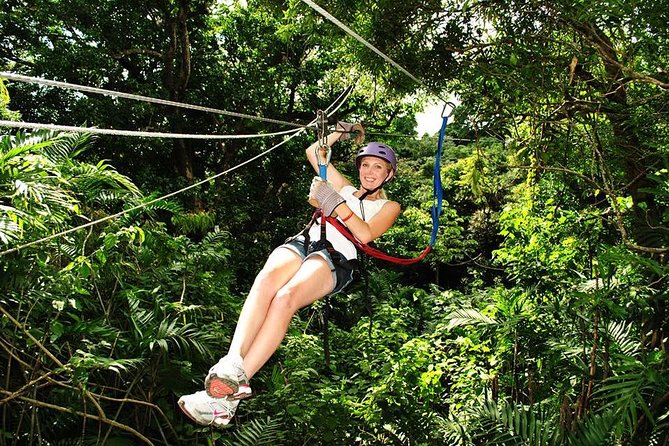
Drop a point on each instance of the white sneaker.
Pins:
(227, 379)
(206, 410)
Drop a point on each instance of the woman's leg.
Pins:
(312, 281)
(278, 269)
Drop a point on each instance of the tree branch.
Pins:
(129, 52)
(37, 403)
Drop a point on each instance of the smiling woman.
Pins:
(318, 262)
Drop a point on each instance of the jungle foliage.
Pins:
(540, 318)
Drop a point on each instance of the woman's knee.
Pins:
(285, 301)
(280, 266)
(271, 277)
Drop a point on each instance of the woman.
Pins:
(297, 274)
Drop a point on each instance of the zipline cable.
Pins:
(338, 102)
(135, 133)
(69, 86)
(404, 135)
(362, 40)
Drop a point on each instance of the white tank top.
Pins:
(340, 242)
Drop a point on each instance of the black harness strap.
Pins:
(334, 255)
(337, 259)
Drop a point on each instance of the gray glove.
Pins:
(349, 129)
(325, 195)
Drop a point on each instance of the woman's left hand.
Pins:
(347, 129)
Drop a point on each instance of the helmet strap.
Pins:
(368, 192)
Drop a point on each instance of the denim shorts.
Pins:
(342, 269)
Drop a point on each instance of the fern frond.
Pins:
(129, 218)
(200, 222)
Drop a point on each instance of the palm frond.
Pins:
(86, 360)
(22, 143)
(455, 432)
(621, 334)
(660, 434)
(258, 433)
(625, 396)
(468, 316)
(186, 337)
(10, 230)
(94, 179)
(69, 145)
(399, 437)
(595, 430)
(507, 423)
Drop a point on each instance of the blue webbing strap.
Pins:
(437, 190)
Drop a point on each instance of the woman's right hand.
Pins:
(322, 195)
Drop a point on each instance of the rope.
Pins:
(340, 100)
(139, 134)
(66, 85)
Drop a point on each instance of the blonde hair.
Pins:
(382, 193)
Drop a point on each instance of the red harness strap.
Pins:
(373, 252)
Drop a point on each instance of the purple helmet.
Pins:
(378, 150)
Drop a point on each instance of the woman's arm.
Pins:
(367, 231)
(337, 179)
(333, 175)
(323, 195)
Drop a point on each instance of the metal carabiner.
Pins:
(323, 163)
(322, 146)
(444, 110)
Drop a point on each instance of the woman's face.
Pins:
(373, 172)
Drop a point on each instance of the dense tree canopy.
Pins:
(540, 317)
